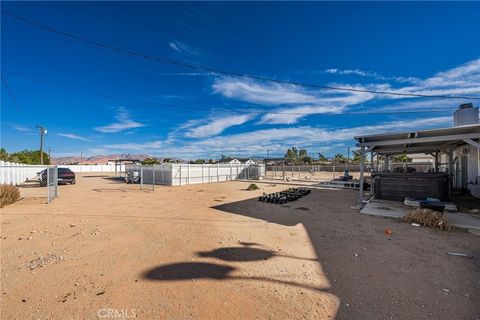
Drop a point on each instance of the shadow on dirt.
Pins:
(114, 179)
(30, 185)
(237, 254)
(189, 270)
(98, 176)
(202, 270)
(245, 254)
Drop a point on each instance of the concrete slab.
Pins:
(463, 220)
(396, 209)
(385, 208)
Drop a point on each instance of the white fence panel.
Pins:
(183, 174)
(94, 167)
(18, 173)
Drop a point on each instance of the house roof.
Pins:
(423, 141)
(228, 159)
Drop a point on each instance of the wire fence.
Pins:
(313, 172)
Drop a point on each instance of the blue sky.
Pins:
(63, 84)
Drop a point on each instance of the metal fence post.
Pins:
(48, 185)
(141, 177)
(180, 172)
(153, 178)
(2, 173)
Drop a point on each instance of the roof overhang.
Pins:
(424, 141)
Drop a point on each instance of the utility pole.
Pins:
(268, 154)
(49, 153)
(348, 158)
(81, 157)
(43, 132)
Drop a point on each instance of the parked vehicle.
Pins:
(65, 176)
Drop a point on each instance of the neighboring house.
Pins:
(237, 161)
(274, 161)
(421, 158)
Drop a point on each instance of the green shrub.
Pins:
(8, 194)
(252, 187)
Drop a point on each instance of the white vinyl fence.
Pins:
(182, 174)
(94, 167)
(17, 173)
(167, 174)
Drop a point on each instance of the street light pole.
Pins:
(43, 132)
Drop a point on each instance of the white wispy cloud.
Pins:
(275, 139)
(297, 101)
(21, 128)
(73, 136)
(181, 47)
(461, 80)
(369, 74)
(217, 125)
(124, 122)
(186, 74)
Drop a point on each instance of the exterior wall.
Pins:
(473, 167)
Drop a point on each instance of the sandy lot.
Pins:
(109, 250)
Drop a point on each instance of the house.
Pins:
(455, 150)
(421, 158)
(274, 161)
(237, 161)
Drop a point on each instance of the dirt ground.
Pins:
(103, 249)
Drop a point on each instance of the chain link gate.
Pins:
(147, 177)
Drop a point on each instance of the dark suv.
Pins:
(65, 176)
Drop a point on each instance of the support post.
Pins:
(371, 161)
(362, 168)
(450, 162)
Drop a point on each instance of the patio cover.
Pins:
(425, 141)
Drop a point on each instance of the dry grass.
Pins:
(8, 194)
(252, 187)
(427, 218)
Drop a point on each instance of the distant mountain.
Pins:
(99, 159)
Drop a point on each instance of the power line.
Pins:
(223, 72)
(10, 93)
(206, 108)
